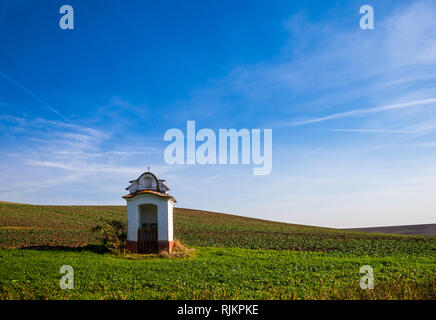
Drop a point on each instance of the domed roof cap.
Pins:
(148, 181)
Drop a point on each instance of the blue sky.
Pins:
(353, 112)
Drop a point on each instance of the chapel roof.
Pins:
(143, 185)
(159, 194)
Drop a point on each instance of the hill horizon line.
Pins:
(407, 229)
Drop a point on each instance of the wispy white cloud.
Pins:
(13, 119)
(84, 167)
(371, 130)
(56, 154)
(33, 95)
(359, 112)
(416, 129)
(327, 67)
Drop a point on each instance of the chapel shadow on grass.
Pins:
(96, 248)
(179, 251)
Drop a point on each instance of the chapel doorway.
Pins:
(147, 231)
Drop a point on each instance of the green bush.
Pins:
(113, 234)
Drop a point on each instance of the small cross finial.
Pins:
(148, 169)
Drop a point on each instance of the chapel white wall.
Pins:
(164, 216)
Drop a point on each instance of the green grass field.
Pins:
(236, 258)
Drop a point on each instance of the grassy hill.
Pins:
(418, 229)
(237, 257)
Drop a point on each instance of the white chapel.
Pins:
(149, 215)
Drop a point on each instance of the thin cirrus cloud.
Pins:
(371, 130)
(34, 96)
(68, 143)
(359, 112)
